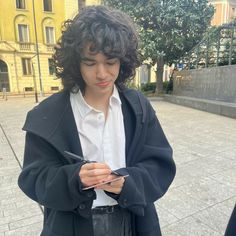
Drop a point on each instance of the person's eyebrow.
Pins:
(87, 59)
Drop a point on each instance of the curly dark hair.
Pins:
(109, 31)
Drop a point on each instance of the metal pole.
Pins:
(231, 46)
(207, 51)
(218, 48)
(35, 85)
(37, 51)
(197, 58)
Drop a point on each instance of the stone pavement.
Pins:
(200, 200)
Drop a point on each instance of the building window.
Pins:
(20, 4)
(55, 88)
(23, 33)
(47, 5)
(51, 67)
(233, 12)
(50, 36)
(26, 66)
(29, 89)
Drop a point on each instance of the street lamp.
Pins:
(37, 51)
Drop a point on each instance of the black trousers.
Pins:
(111, 221)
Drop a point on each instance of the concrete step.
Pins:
(216, 107)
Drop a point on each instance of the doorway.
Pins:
(4, 78)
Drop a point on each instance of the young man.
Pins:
(94, 131)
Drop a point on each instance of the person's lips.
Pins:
(103, 83)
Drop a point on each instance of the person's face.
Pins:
(99, 72)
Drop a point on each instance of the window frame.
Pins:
(49, 35)
(20, 4)
(47, 4)
(26, 66)
(51, 67)
(27, 33)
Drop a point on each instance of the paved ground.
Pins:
(200, 200)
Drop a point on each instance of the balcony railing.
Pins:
(26, 46)
(218, 48)
(50, 48)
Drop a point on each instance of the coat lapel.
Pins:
(53, 120)
(66, 137)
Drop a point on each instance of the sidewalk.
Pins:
(200, 200)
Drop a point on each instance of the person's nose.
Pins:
(102, 72)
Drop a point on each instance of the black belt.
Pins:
(106, 209)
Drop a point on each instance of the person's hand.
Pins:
(113, 187)
(94, 173)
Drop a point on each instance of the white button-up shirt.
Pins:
(102, 140)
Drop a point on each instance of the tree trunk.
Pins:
(81, 4)
(159, 76)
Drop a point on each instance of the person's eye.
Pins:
(113, 62)
(88, 63)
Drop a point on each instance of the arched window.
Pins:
(4, 79)
(49, 31)
(22, 29)
(3, 66)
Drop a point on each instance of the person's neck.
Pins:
(98, 101)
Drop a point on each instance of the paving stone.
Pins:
(189, 227)
(165, 217)
(214, 218)
(25, 212)
(29, 230)
(208, 190)
(226, 177)
(7, 207)
(180, 204)
(4, 228)
(26, 221)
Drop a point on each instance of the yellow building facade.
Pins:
(225, 11)
(29, 30)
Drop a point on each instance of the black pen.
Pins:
(77, 157)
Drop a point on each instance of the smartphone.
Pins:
(105, 182)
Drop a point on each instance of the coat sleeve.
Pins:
(46, 179)
(153, 170)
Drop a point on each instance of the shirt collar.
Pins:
(115, 97)
(85, 108)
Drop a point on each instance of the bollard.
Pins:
(4, 91)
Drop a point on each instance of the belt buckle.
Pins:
(110, 209)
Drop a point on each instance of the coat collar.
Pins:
(53, 121)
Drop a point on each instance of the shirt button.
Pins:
(100, 116)
(125, 202)
(82, 206)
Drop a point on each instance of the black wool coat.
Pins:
(50, 178)
(231, 227)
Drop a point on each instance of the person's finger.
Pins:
(95, 165)
(96, 172)
(113, 187)
(93, 173)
